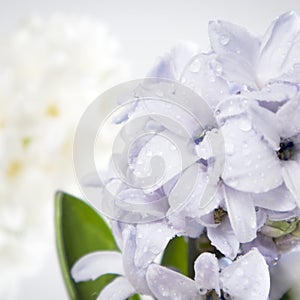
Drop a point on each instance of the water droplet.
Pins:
(173, 147)
(149, 153)
(245, 125)
(217, 67)
(195, 66)
(224, 40)
(202, 291)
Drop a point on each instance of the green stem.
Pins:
(193, 253)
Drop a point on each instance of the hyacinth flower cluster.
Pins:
(243, 238)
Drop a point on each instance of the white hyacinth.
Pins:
(50, 69)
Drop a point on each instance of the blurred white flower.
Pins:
(50, 70)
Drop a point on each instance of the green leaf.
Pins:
(176, 255)
(80, 230)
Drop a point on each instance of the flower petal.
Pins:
(266, 247)
(172, 64)
(288, 118)
(241, 213)
(200, 76)
(151, 240)
(247, 278)
(291, 175)
(292, 76)
(224, 239)
(96, 264)
(119, 289)
(251, 165)
(275, 92)
(207, 273)
(278, 52)
(166, 284)
(236, 51)
(226, 38)
(278, 199)
(136, 276)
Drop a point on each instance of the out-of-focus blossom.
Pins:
(50, 70)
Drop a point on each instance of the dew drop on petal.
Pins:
(224, 40)
(245, 125)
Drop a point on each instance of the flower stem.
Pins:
(193, 253)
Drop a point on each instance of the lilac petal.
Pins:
(119, 289)
(278, 199)
(279, 47)
(135, 275)
(96, 264)
(226, 38)
(288, 118)
(291, 175)
(224, 239)
(292, 76)
(235, 68)
(236, 51)
(207, 273)
(265, 122)
(285, 274)
(241, 213)
(151, 240)
(166, 284)
(172, 64)
(201, 77)
(155, 164)
(251, 165)
(247, 278)
(266, 247)
(275, 92)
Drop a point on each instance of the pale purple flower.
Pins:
(245, 278)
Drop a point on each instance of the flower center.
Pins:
(286, 150)
(219, 213)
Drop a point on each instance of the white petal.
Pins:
(96, 264)
(136, 276)
(207, 273)
(151, 240)
(200, 75)
(119, 289)
(276, 92)
(226, 37)
(279, 47)
(291, 175)
(265, 121)
(247, 278)
(236, 51)
(166, 284)
(224, 239)
(278, 199)
(235, 68)
(241, 213)
(172, 64)
(292, 76)
(251, 165)
(288, 118)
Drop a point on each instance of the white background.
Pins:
(145, 30)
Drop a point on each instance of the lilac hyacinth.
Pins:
(248, 213)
